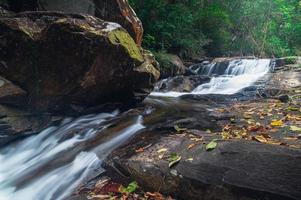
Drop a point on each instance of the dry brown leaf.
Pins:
(140, 150)
(155, 196)
(195, 139)
(260, 138)
(191, 146)
(290, 138)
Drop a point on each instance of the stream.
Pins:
(53, 163)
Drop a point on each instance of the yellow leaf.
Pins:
(190, 159)
(277, 123)
(162, 150)
(260, 138)
(295, 128)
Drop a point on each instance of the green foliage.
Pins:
(171, 26)
(211, 145)
(163, 58)
(222, 28)
(132, 187)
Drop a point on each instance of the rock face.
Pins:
(234, 170)
(63, 60)
(171, 65)
(181, 83)
(118, 11)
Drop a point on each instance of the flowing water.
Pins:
(237, 75)
(52, 164)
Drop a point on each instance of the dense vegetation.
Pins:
(222, 27)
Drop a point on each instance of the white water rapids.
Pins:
(52, 164)
(238, 75)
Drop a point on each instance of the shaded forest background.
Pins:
(191, 28)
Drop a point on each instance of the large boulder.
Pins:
(74, 60)
(171, 65)
(234, 170)
(118, 11)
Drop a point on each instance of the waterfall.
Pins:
(52, 164)
(231, 79)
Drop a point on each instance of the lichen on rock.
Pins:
(62, 60)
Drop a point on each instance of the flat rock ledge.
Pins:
(233, 170)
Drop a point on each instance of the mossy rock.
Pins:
(64, 61)
(170, 65)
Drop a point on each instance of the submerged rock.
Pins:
(63, 60)
(181, 83)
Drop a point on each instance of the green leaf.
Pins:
(211, 145)
(174, 159)
(178, 129)
(295, 128)
(132, 187)
(290, 108)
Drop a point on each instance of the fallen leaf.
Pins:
(140, 150)
(195, 139)
(178, 129)
(191, 146)
(290, 138)
(132, 187)
(190, 159)
(221, 110)
(155, 196)
(277, 123)
(211, 145)
(295, 128)
(208, 131)
(290, 108)
(247, 116)
(109, 187)
(260, 138)
(162, 150)
(255, 128)
(226, 135)
(173, 159)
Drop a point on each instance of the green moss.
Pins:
(119, 37)
(164, 60)
(290, 60)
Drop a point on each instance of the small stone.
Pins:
(174, 172)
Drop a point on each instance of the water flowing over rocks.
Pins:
(81, 56)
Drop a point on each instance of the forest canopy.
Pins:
(265, 28)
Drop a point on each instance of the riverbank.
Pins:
(217, 147)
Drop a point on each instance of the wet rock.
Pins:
(284, 98)
(11, 94)
(62, 60)
(234, 170)
(181, 83)
(171, 65)
(16, 123)
(281, 63)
